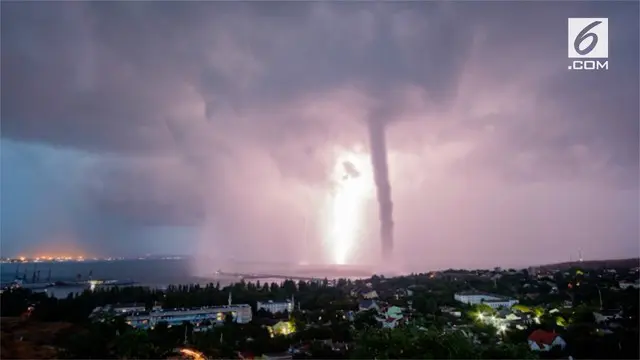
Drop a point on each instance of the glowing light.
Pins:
(354, 185)
(192, 354)
(502, 328)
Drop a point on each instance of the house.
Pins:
(401, 293)
(393, 312)
(372, 294)
(626, 284)
(365, 305)
(390, 323)
(364, 292)
(451, 311)
(512, 317)
(606, 316)
(391, 317)
(281, 328)
(541, 340)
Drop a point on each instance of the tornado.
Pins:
(378, 145)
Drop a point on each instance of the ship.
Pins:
(35, 284)
(19, 283)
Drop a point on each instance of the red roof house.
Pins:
(541, 340)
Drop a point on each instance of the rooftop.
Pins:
(543, 337)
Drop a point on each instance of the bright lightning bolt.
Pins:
(354, 185)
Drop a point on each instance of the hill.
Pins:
(594, 264)
(24, 339)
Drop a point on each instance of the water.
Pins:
(151, 273)
(147, 272)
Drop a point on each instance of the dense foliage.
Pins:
(325, 331)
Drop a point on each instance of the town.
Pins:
(575, 312)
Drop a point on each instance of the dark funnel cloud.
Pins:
(378, 145)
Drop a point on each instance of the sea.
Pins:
(153, 273)
(160, 273)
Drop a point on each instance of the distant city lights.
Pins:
(67, 258)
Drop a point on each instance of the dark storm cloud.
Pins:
(91, 66)
(141, 192)
(212, 114)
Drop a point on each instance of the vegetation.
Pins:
(328, 323)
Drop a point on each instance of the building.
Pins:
(626, 284)
(240, 313)
(128, 308)
(606, 316)
(402, 293)
(541, 340)
(451, 311)
(281, 328)
(476, 298)
(276, 307)
(365, 305)
(369, 295)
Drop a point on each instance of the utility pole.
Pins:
(185, 334)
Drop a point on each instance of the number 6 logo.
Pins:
(588, 38)
(584, 35)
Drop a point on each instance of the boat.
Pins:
(18, 283)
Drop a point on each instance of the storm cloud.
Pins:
(211, 127)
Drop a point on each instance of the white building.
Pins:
(240, 313)
(276, 307)
(128, 308)
(475, 298)
(625, 285)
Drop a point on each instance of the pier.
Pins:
(264, 276)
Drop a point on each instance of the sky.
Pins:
(213, 129)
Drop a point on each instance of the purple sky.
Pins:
(210, 128)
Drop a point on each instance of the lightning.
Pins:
(353, 179)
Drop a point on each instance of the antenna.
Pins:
(33, 277)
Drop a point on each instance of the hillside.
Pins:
(594, 264)
(24, 339)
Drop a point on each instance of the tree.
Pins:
(365, 319)
(135, 344)
(425, 305)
